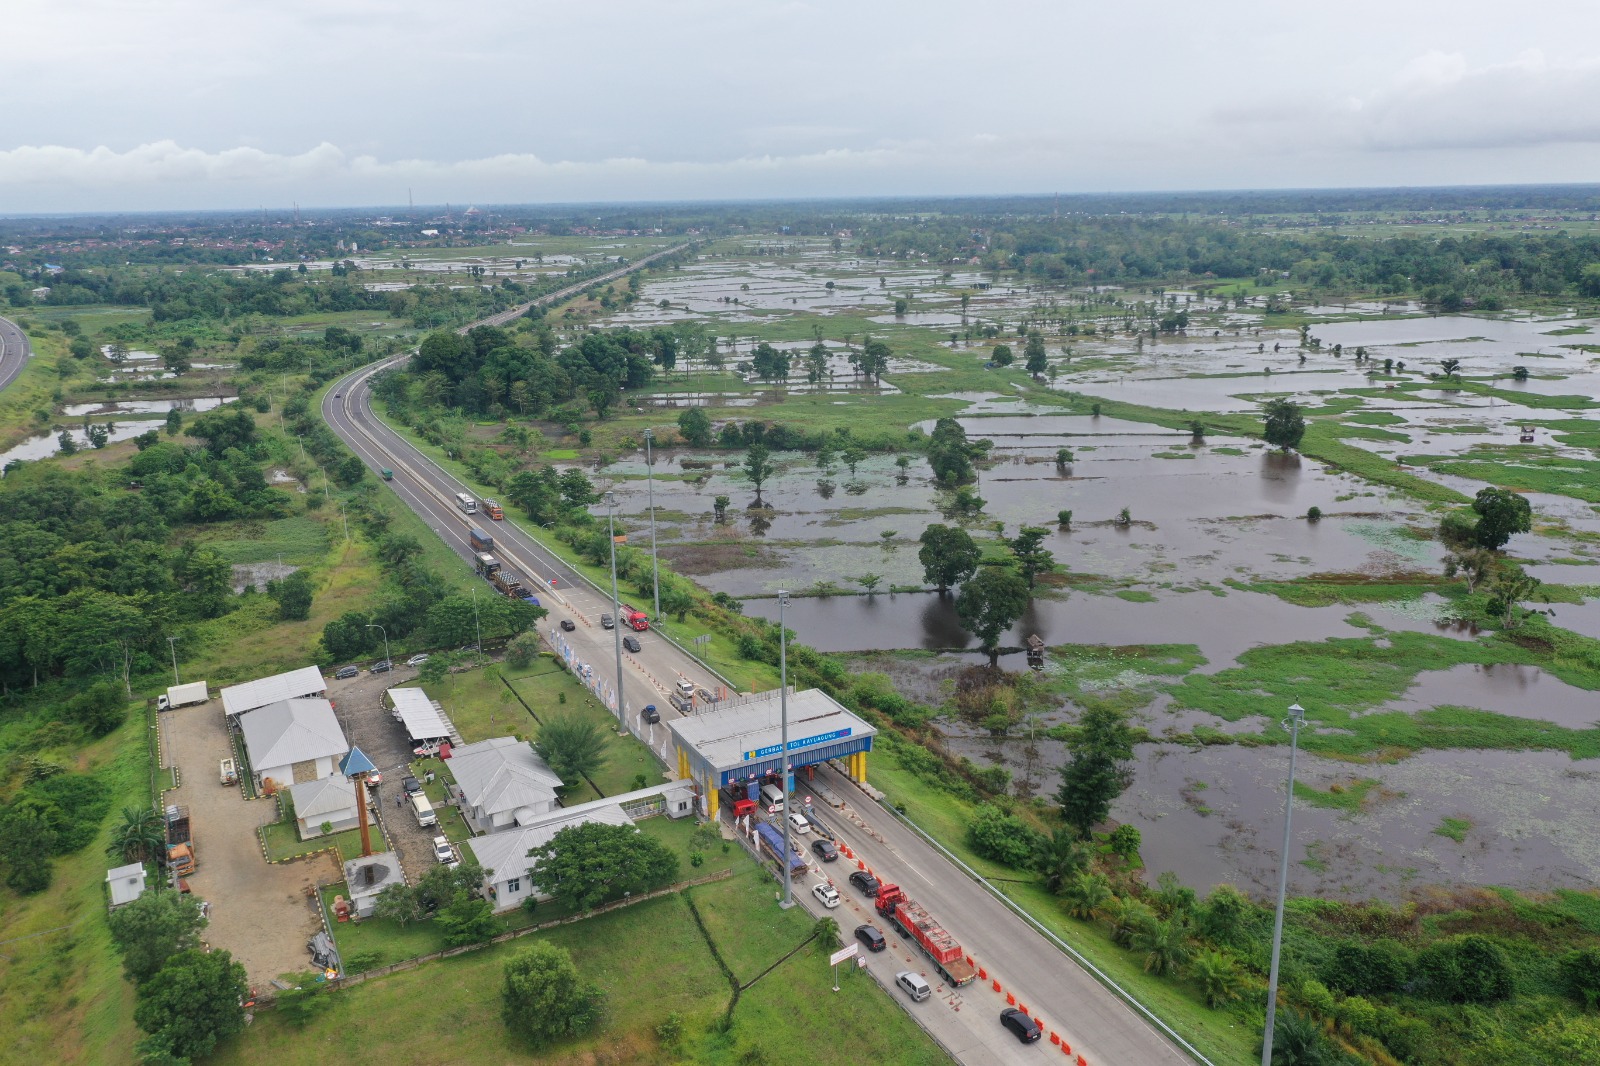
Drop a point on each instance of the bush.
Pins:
(1580, 976)
(1466, 969)
(1005, 838)
(1358, 969)
(542, 997)
(1357, 1014)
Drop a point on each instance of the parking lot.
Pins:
(262, 913)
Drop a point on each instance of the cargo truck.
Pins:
(480, 541)
(909, 919)
(182, 696)
(485, 564)
(507, 583)
(180, 841)
(636, 620)
(771, 841)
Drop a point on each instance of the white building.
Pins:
(368, 876)
(126, 883)
(327, 799)
(296, 684)
(292, 741)
(503, 784)
(504, 856)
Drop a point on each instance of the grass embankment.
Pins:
(651, 961)
(35, 388)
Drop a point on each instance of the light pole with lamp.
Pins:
(616, 601)
(650, 489)
(172, 642)
(783, 742)
(386, 656)
(1296, 719)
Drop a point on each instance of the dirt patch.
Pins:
(713, 558)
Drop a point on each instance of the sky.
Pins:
(115, 105)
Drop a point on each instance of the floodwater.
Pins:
(45, 445)
(1505, 688)
(130, 407)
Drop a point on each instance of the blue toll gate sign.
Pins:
(794, 745)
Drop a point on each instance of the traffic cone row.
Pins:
(1011, 1001)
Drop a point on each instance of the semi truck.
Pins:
(910, 920)
(506, 583)
(180, 841)
(635, 620)
(771, 841)
(480, 541)
(182, 696)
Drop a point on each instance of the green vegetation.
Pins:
(1454, 828)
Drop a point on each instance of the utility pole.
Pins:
(386, 656)
(477, 626)
(783, 755)
(172, 642)
(616, 601)
(1296, 719)
(650, 483)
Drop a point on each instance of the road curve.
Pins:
(1098, 1023)
(15, 351)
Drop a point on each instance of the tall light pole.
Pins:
(386, 656)
(616, 602)
(1296, 719)
(650, 489)
(477, 627)
(783, 742)
(172, 642)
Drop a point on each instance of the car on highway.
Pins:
(1026, 1029)
(825, 850)
(872, 937)
(864, 883)
(798, 823)
(568, 625)
(632, 644)
(416, 660)
(651, 715)
(443, 852)
(347, 672)
(826, 895)
(607, 622)
(382, 666)
(913, 985)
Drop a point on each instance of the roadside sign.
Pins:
(849, 951)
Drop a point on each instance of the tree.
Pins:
(873, 361)
(1060, 857)
(1218, 977)
(1036, 360)
(154, 928)
(1031, 556)
(1451, 367)
(1002, 355)
(293, 594)
(467, 919)
(1165, 946)
(194, 1001)
(573, 747)
(949, 453)
(522, 650)
(758, 466)
(1297, 1040)
(989, 603)
(543, 998)
(140, 836)
(677, 600)
(228, 426)
(1580, 976)
(1285, 425)
(1127, 918)
(1086, 895)
(1005, 838)
(1507, 592)
(948, 556)
(347, 636)
(1501, 513)
(719, 507)
(586, 865)
(398, 903)
(1471, 565)
(1100, 767)
(769, 363)
(175, 359)
(1466, 969)
(695, 425)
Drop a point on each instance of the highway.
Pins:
(1098, 1024)
(15, 351)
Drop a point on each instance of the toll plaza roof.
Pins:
(742, 737)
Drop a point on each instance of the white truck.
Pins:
(182, 696)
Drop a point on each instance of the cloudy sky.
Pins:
(157, 104)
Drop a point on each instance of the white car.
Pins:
(798, 823)
(416, 660)
(826, 894)
(443, 852)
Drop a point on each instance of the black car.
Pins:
(347, 672)
(825, 850)
(631, 643)
(568, 625)
(864, 883)
(651, 715)
(383, 666)
(1026, 1028)
(871, 937)
(411, 785)
(607, 622)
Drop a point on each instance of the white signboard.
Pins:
(843, 953)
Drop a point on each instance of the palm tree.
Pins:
(139, 837)
(1086, 895)
(1127, 917)
(677, 600)
(1450, 366)
(1061, 859)
(1219, 979)
(1165, 946)
(1298, 1041)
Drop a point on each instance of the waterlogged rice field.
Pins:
(1419, 721)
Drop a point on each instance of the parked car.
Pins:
(651, 715)
(568, 625)
(826, 894)
(443, 852)
(345, 673)
(416, 660)
(631, 643)
(412, 786)
(864, 883)
(375, 779)
(382, 666)
(825, 850)
(607, 622)
(871, 937)
(470, 647)
(1026, 1028)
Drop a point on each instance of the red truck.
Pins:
(636, 620)
(911, 920)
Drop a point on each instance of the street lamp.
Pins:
(650, 488)
(386, 656)
(172, 642)
(783, 753)
(1296, 719)
(616, 601)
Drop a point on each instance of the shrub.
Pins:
(1005, 838)
(1358, 969)
(1466, 969)
(1580, 976)
(1357, 1014)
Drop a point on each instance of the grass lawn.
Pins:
(651, 961)
(283, 841)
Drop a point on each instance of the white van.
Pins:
(913, 985)
(424, 810)
(772, 796)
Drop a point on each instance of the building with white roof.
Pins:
(504, 856)
(126, 883)
(423, 718)
(296, 684)
(502, 783)
(292, 741)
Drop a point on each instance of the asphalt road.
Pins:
(1098, 1024)
(15, 351)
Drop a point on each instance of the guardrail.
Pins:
(1094, 971)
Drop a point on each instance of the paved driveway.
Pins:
(261, 912)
